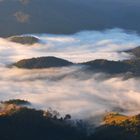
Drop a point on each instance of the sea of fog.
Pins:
(70, 89)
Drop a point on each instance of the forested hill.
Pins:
(19, 122)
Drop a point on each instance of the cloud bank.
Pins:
(83, 46)
(70, 90)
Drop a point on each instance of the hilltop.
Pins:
(120, 126)
(42, 62)
(29, 40)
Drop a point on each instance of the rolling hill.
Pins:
(42, 62)
(129, 67)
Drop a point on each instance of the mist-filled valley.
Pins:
(69, 70)
(71, 89)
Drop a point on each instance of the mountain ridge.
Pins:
(130, 67)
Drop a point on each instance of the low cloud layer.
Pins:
(83, 46)
(70, 90)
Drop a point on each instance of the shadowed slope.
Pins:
(22, 123)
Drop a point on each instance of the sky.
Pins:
(67, 16)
